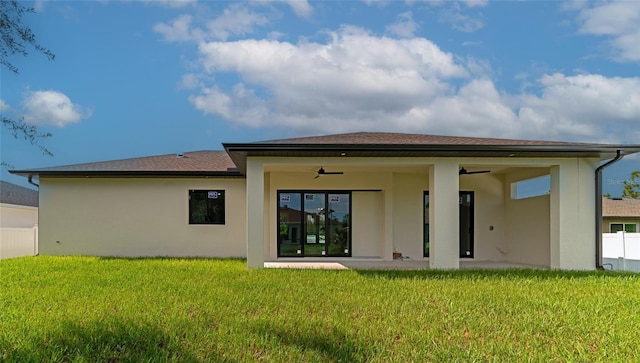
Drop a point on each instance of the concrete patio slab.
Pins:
(375, 264)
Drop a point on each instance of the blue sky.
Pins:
(138, 78)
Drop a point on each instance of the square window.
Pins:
(616, 227)
(620, 227)
(206, 207)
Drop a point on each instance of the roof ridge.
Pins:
(404, 138)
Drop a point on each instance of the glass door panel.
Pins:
(290, 224)
(339, 224)
(425, 232)
(466, 224)
(314, 219)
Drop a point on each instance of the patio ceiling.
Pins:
(347, 166)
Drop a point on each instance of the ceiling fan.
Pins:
(321, 171)
(464, 171)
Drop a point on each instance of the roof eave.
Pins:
(127, 174)
(238, 152)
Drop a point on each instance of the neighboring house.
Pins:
(620, 214)
(349, 196)
(18, 206)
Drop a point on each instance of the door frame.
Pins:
(303, 225)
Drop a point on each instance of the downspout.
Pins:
(599, 170)
(30, 180)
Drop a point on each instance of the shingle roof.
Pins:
(409, 139)
(14, 194)
(232, 161)
(625, 207)
(206, 162)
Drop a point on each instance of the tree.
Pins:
(632, 186)
(16, 39)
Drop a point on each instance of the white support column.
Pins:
(572, 225)
(444, 215)
(255, 215)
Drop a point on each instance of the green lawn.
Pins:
(118, 310)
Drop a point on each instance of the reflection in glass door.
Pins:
(314, 219)
(339, 224)
(425, 230)
(290, 224)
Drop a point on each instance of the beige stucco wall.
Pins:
(527, 222)
(149, 216)
(137, 217)
(18, 216)
(408, 225)
(489, 224)
(368, 224)
(528, 230)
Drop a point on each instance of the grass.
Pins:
(83, 309)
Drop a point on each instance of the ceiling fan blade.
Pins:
(479, 172)
(321, 171)
(464, 171)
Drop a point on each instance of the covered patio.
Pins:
(406, 194)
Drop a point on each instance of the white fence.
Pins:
(621, 250)
(18, 242)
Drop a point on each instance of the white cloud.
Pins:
(358, 81)
(52, 108)
(212, 101)
(172, 3)
(405, 27)
(302, 8)
(4, 107)
(235, 20)
(38, 6)
(242, 106)
(475, 3)
(589, 107)
(354, 78)
(619, 22)
(460, 21)
(177, 31)
(190, 81)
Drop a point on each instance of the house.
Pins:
(366, 195)
(18, 206)
(621, 214)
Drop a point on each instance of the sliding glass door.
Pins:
(314, 223)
